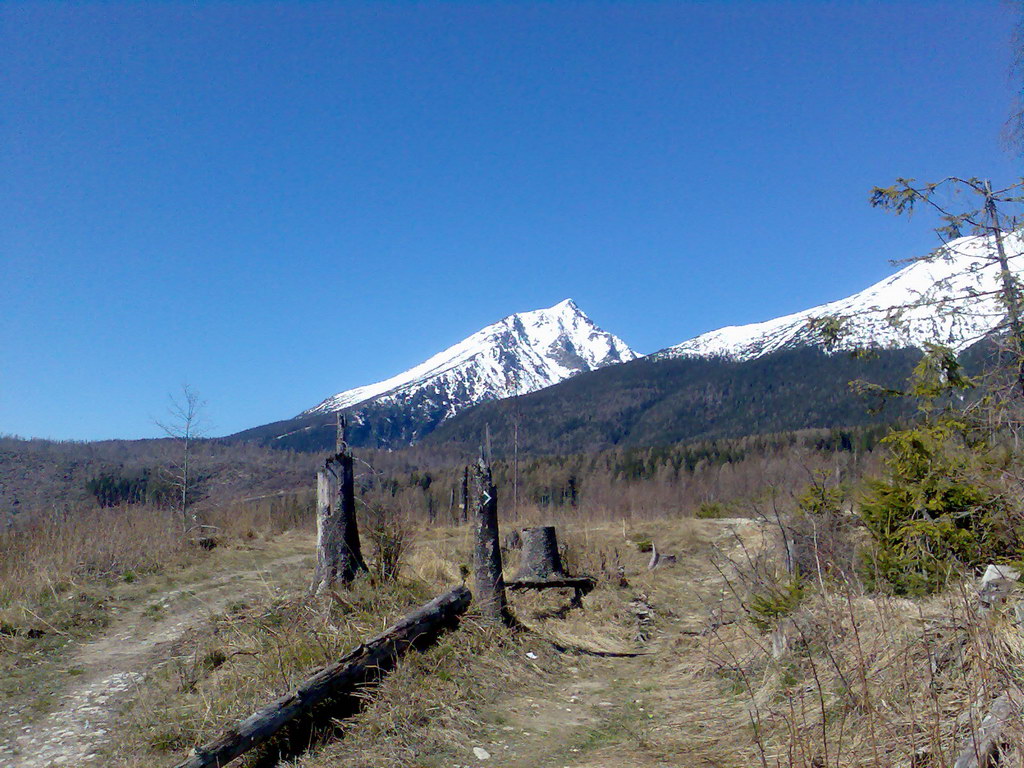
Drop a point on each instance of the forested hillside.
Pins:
(47, 475)
(670, 401)
(644, 402)
(707, 477)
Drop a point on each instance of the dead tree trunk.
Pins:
(365, 664)
(540, 554)
(490, 582)
(465, 494)
(347, 504)
(327, 530)
(338, 553)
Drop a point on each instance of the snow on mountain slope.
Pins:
(522, 353)
(949, 300)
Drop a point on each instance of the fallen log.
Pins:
(982, 749)
(363, 665)
(581, 651)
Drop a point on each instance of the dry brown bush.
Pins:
(836, 677)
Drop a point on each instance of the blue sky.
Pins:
(277, 201)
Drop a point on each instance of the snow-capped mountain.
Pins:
(522, 353)
(951, 300)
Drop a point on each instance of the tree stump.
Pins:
(541, 566)
(540, 554)
(487, 566)
(338, 553)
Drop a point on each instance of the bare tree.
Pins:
(185, 423)
(966, 295)
(1013, 133)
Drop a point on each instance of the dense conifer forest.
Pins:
(652, 403)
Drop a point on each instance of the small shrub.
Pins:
(943, 505)
(711, 510)
(775, 602)
(391, 536)
(933, 515)
(822, 537)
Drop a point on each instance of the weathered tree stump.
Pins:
(541, 566)
(345, 677)
(540, 554)
(338, 553)
(487, 566)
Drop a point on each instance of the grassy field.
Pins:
(730, 668)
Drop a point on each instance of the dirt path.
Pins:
(581, 711)
(651, 711)
(99, 676)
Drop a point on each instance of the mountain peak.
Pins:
(521, 353)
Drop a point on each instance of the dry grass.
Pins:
(853, 680)
(531, 705)
(429, 705)
(64, 547)
(55, 554)
(263, 516)
(59, 576)
(848, 679)
(429, 711)
(64, 575)
(237, 661)
(247, 656)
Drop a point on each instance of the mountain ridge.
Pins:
(951, 299)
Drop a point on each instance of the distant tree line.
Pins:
(43, 475)
(673, 479)
(112, 489)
